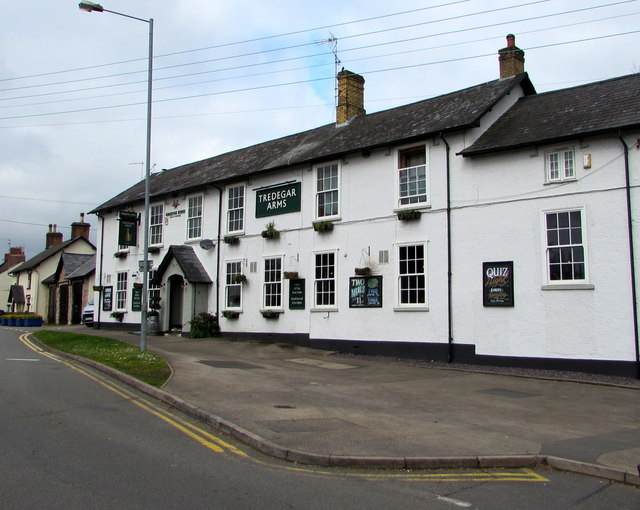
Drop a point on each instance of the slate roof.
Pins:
(449, 112)
(188, 261)
(591, 109)
(44, 255)
(88, 267)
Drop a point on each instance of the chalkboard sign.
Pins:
(107, 299)
(136, 299)
(296, 294)
(497, 278)
(365, 292)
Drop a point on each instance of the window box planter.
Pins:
(121, 254)
(323, 226)
(363, 271)
(137, 285)
(270, 231)
(240, 278)
(409, 215)
(154, 249)
(231, 239)
(270, 314)
(228, 314)
(290, 275)
(118, 315)
(97, 288)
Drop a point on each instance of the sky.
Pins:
(227, 75)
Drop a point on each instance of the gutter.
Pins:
(449, 287)
(220, 193)
(632, 259)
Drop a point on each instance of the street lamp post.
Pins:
(90, 7)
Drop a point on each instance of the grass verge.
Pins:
(127, 358)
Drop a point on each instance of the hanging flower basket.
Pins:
(409, 215)
(290, 275)
(323, 226)
(121, 254)
(240, 278)
(363, 271)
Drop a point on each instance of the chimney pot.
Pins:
(511, 59)
(80, 228)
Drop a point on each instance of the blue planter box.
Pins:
(33, 322)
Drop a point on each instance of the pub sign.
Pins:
(278, 199)
(128, 228)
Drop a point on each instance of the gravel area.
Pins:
(556, 375)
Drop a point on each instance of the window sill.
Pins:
(560, 181)
(569, 286)
(417, 207)
(323, 310)
(410, 309)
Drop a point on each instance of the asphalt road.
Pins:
(73, 438)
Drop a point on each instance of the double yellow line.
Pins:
(218, 445)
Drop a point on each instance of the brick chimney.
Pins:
(511, 59)
(350, 97)
(53, 237)
(80, 228)
(15, 256)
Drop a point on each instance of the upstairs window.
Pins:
(412, 177)
(235, 209)
(327, 191)
(194, 217)
(156, 218)
(560, 165)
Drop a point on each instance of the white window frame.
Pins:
(407, 274)
(324, 188)
(564, 249)
(195, 214)
(122, 289)
(152, 290)
(272, 283)
(412, 201)
(232, 268)
(556, 167)
(236, 205)
(321, 280)
(156, 221)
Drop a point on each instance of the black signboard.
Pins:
(278, 200)
(107, 299)
(136, 299)
(128, 228)
(296, 294)
(365, 292)
(497, 278)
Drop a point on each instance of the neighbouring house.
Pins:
(490, 225)
(10, 299)
(58, 282)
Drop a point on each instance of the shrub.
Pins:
(204, 325)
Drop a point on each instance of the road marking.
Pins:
(456, 502)
(22, 359)
(218, 445)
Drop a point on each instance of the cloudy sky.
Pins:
(229, 74)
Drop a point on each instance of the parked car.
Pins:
(87, 314)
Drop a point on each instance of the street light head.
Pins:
(90, 6)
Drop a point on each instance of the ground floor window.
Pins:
(121, 291)
(412, 278)
(233, 285)
(325, 279)
(272, 288)
(565, 246)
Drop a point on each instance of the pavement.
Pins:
(313, 407)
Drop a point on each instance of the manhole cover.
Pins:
(228, 364)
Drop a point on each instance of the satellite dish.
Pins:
(206, 244)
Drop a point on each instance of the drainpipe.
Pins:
(98, 305)
(632, 259)
(449, 289)
(218, 252)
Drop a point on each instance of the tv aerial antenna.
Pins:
(332, 42)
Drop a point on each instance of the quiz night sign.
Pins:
(278, 200)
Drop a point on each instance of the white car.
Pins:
(87, 314)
